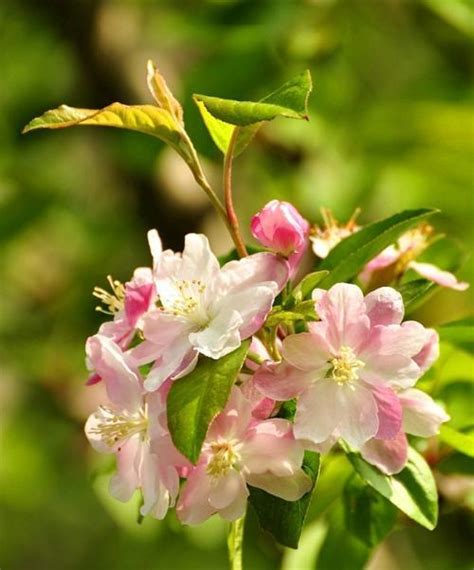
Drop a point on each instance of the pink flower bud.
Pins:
(280, 227)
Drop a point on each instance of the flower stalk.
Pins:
(235, 540)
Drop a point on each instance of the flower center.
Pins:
(114, 301)
(224, 457)
(345, 366)
(114, 427)
(186, 300)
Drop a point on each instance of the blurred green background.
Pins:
(391, 128)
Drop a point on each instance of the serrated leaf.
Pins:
(348, 258)
(223, 116)
(285, 519)
(368, 515)
(460, 333)
(162, 94)
(463, 442)
(195, 400)
(416, 292)
(413, 490)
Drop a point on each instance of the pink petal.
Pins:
(389, 410)
(421, 415)
(236, 509)
(262, 407)
(384, 306)
(178, 356)
(359, 414)
(93, 379)
(193, 505)
(290, 488)
(308, 352)
(234, 419)
(198, 261)
(270, 446)
(430, 351)
(125, 481)
(122, 381)
(342, 308)
(318, 412)
(437, 275)
(281, 381)
(390, 456)
(139, 294)
(226, 489)
(397, 371)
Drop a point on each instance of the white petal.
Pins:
(220, 337)
(359, 418)
(421, 415)
(290, 488)
(384, 306)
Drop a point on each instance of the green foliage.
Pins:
(413, 490)
(304, 288)
(285, 519)
(459, 333)
(303, 311)
(195, 400)
(368, 515)
(463, 442)
(415, 293)
(347, 259)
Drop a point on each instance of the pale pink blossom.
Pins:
(204, 309)
(324, 239)
(132, 426)
(347, 369)
(240, 451)
(280, 227)
(396, 259)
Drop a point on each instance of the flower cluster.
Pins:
(351, 372)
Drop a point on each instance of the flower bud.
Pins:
(280, 227)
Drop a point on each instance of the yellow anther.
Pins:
(113, 301)
(224, 457)
(345, 366)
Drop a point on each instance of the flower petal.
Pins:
(429, 353)
(226, 489)
(389, 410)
(220, 337)
(290, 488)
(281, 381)
(384, 306)
(198, 261)
(193, 505)
(390, 456)
(438, 276)
(126, 480)
(359, 415)
(421, 415)
(308, 352)
(234, 419)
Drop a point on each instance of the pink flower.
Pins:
(324, 239)
(421, 417)
(241, 451)
(396, 259)
(280, 227)
(347, 369)
(204, 309)
(132, 426)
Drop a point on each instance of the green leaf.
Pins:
(463, 442)
(195, 400)
(456, 463)
(369, 516)
(221, 116)
(303, 311)
(460, 333)
(347, 259)
(285, 519)
(162, 94)
(305, 288)
(416, 292)
(413, 490)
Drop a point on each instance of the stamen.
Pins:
(187, 301)
(224, 458)
(345, 366)
(113, 301)
(115, 427)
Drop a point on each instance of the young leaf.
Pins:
(369, 516)
(221, 116)
(161, 93)
(347, 259)
(305, 288)
(416, 292)
(463, 442)
(195, 400)
(285, 519)
(413, 490)
(303, 311)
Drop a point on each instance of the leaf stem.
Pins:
(235, 540)
(229, 205)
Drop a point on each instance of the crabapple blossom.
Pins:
(240, 450)
(132, 426)
(204, 309)
(397, 259)
(280, 227)
(324, 239)
(347, 369)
